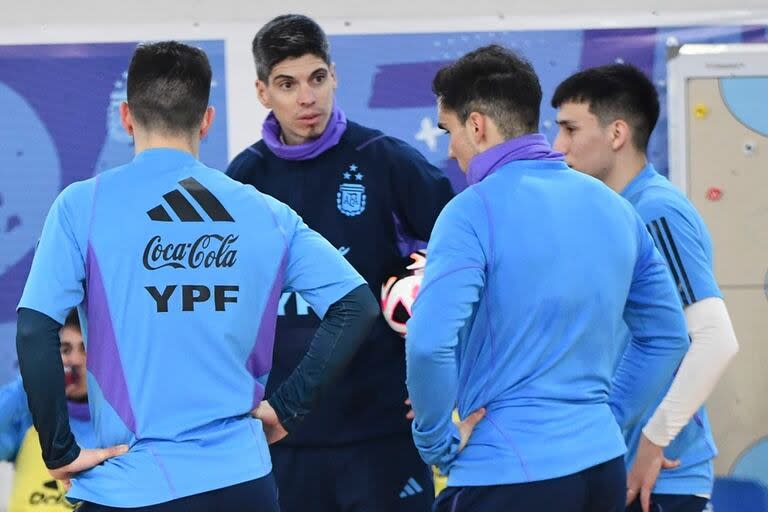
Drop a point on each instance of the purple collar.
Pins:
(79, 410)
(533, 146)
(270, 131)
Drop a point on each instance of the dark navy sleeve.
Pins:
(420, 190)
(337, 339)
(55, 285)
(37, 344)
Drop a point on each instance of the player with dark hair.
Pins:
(371, 196)
(606, 116)
(178, 270)
(526, 285)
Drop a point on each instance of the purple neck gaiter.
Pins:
(533, 146)
(270, 131)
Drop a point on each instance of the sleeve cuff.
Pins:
(289, 420)
(70, 455)
(657, 431)
(441, 454)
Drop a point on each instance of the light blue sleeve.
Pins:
(659, 336)
(677, 233)
(453, 283)
(314, 268)
(15, 418)
(56, 280)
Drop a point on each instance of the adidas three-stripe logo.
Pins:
(184, 209)
(412, 488)
(662, 236)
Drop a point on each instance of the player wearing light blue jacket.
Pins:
(177, 270)
(532, 271)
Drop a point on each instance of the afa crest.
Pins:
(350, 199)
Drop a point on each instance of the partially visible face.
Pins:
(460, 147)
(300, 93)
(73, 357)
(584, 141)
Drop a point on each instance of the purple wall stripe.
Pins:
(754, 34)
(404, 85)
(103, 355)
(635, 46)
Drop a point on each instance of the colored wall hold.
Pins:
(714, 193)
(749, 148)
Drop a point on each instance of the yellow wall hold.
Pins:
(700, 111)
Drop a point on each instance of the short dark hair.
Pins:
(494, 81)
(288, 36)
(72, 320)
(169, 84)
(615, 91)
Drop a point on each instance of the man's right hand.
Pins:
(273, 429)
(467, 426)
(410, 415)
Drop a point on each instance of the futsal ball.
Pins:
(399, 291)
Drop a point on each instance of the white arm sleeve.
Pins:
(713, 345)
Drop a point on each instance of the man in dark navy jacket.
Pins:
(372, 196)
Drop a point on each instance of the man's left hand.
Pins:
(86, 460)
